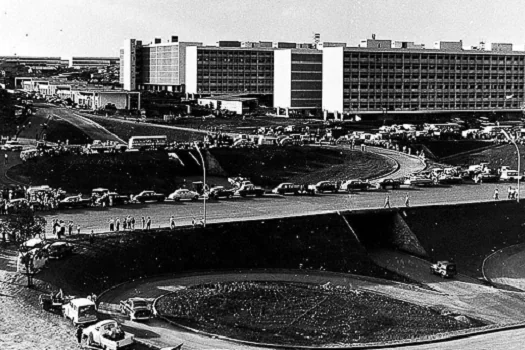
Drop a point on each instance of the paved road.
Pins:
(271, 206)
(506, 266)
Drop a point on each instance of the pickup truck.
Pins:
(107, 335)
(250, 190)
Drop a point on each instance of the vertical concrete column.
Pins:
(286, 111)
(277, 110)
(336, 115)
(325, 115)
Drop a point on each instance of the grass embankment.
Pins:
(496, 156)
(448, 148)
(300, 314)
(269, 166)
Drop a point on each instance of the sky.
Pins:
(67, 28)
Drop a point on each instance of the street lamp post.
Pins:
(204, 180)
(519, 158)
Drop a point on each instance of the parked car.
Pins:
(146, 196)
(287, 188)
(80, 311)
(360, 185)
(450, 179)
(184, 194)
(250, 190)
(58, 250)
(219, 191)
(138, 309)
(74, 202)
(444, 269)
(326, 186)
(113, 198)
(107, 335)
(510, 175)
(418, 181)
(389, 183)
(12, 146)
(486, 177)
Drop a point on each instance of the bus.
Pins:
(148, 142)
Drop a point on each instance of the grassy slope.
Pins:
(497, 156)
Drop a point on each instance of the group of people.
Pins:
(62, 228)
(128, 223)
(387, 201)
(512, 193)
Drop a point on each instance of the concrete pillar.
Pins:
(277, 110)
(335, 115)
(342, 117)
(286, 111)
(187, 95)
(325, 115)
(138, 104)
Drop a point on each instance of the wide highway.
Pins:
(271, 206)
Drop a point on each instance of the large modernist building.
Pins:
(379, 79)
(155, 66)
(229, 70)
(404, 81)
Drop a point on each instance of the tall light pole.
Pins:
(204, 180)
(519, 158)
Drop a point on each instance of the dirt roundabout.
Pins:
(300, 313)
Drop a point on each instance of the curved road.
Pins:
(507, 267)
(159, 333)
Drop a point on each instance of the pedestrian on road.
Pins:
(6, 157)
(111, 225)
(509, 192)
(91, 237)
(70, 227)
(78, 229)
(407, 200)
(496, 194)
(172, 222)
(148, 223)
(387, 202)
(143, 223)
(133, 223)
(193, 222)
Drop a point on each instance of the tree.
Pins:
(21, 226)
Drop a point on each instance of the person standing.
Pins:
(148, 223)
(6, 159)
(132, 223)
(78, 334)
(70, 227)
(387, 202)
(91, 237)
(509, 192)
(172, 222)
(496, 194)
(111, 225)
(117, 223)
(407, 200)
(143, 223)
(78, 229)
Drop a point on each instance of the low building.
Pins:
(239, 105)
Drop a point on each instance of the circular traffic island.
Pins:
(300, 314)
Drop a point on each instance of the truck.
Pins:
(108, 335)
(148, 142)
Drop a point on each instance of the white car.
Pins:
(107, 335)
(80, 311)
(184, 194)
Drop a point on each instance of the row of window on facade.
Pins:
(363, 57)
(419, 87)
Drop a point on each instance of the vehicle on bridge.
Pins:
(148, 142)
(389, 183)
(80, 311)
(74, 202)
(326, 186)
(108, 335)
(138, 309)
(250, 190)
(219, 191)
(184, 194)
(146, 196)
(444, 269)
(356, 184)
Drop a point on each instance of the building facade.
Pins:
(375, 81)
(227, 70)
(298, 79)
(93, 62)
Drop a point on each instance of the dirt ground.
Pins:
(23, 325)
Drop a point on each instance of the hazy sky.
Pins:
(98, 27)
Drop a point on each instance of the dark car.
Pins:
(389, 183)
(74, 202)
(219, 191)
(145, 196)
(113, 198)
(358, 185)
(326, 186)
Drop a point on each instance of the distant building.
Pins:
(376, 44)
(93, 62)
(239, 105)
(501, 47)
(449, 45)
